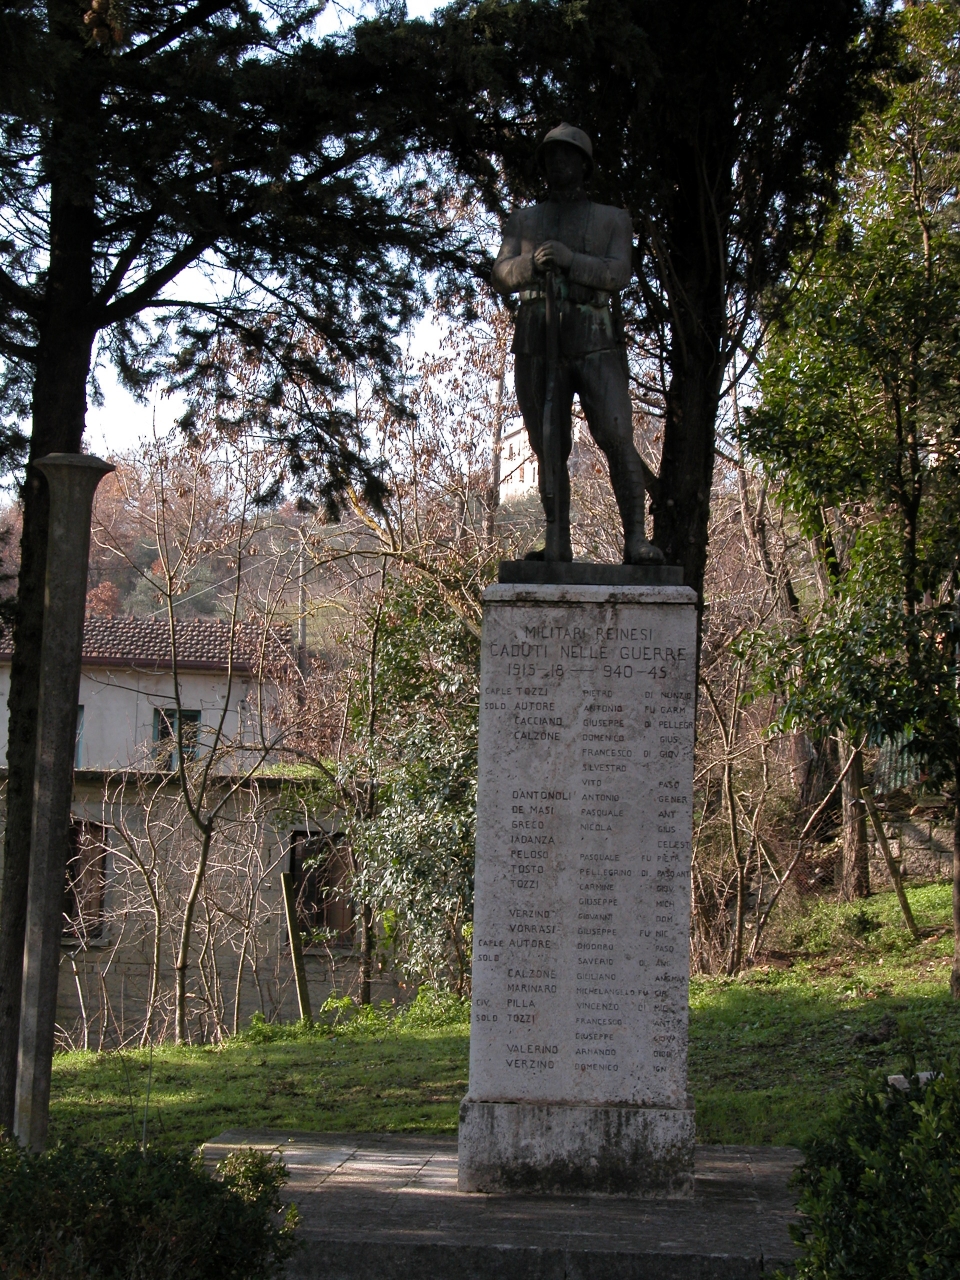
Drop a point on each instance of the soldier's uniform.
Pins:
(592, 361)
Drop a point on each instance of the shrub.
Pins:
(880, 1190)
(433, 1008)
(339, 1015)
(83, 1214)
(260, 1031)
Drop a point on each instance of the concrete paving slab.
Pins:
(386, 1207)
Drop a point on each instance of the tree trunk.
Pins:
(694, 277)
(21, 750)
(736, 945)
(154, 992)
(366, 951)
(238, 984)
(686, 468)
(955, 974)
(59, 408)
(823, 769)
(855, 868)
(493, 494)
(186, 937)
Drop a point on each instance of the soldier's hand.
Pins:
(553, 253)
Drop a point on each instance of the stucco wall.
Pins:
(118, 707)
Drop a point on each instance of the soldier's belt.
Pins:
(577, 293)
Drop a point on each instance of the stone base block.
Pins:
(564, 1149)
(578, 573)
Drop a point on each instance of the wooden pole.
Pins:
(296, 948)
(890, 861)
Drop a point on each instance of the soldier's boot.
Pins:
(639, 550)
(557, 511)
(558, 542)
(626, 475)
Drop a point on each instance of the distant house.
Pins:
(128, 712)
(519, 469)
(127, 809)
(518, 464)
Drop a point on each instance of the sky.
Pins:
(121, 422)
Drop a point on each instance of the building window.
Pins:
(165, 720)
(321, 870)
(78, 750)
(85, 890)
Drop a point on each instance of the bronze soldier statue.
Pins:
(567, 258)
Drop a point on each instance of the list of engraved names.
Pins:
(580, 970)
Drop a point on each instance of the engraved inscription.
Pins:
(581, 929)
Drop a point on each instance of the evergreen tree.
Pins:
(858, 426)
(141, 139)
(720, 125)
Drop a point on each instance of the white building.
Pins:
(519, 471)
(128, 816)
(518, 465)
(128, 712)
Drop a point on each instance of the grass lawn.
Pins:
(770, 1052)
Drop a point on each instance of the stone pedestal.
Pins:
(72, 480)
(581, 926)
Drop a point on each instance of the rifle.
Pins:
(551, 443)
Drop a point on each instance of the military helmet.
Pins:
(574, 136)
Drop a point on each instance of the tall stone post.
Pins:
(578, 1079)
(72, 480)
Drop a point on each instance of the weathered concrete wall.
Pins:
(921, 843)
(106, 970)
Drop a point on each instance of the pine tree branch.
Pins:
(127, 306)
(190, 19)
(19, 295)
(123, 264)
(17, 350)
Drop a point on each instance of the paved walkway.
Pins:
(386, 1207)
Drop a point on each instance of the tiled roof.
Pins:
(202, 644)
